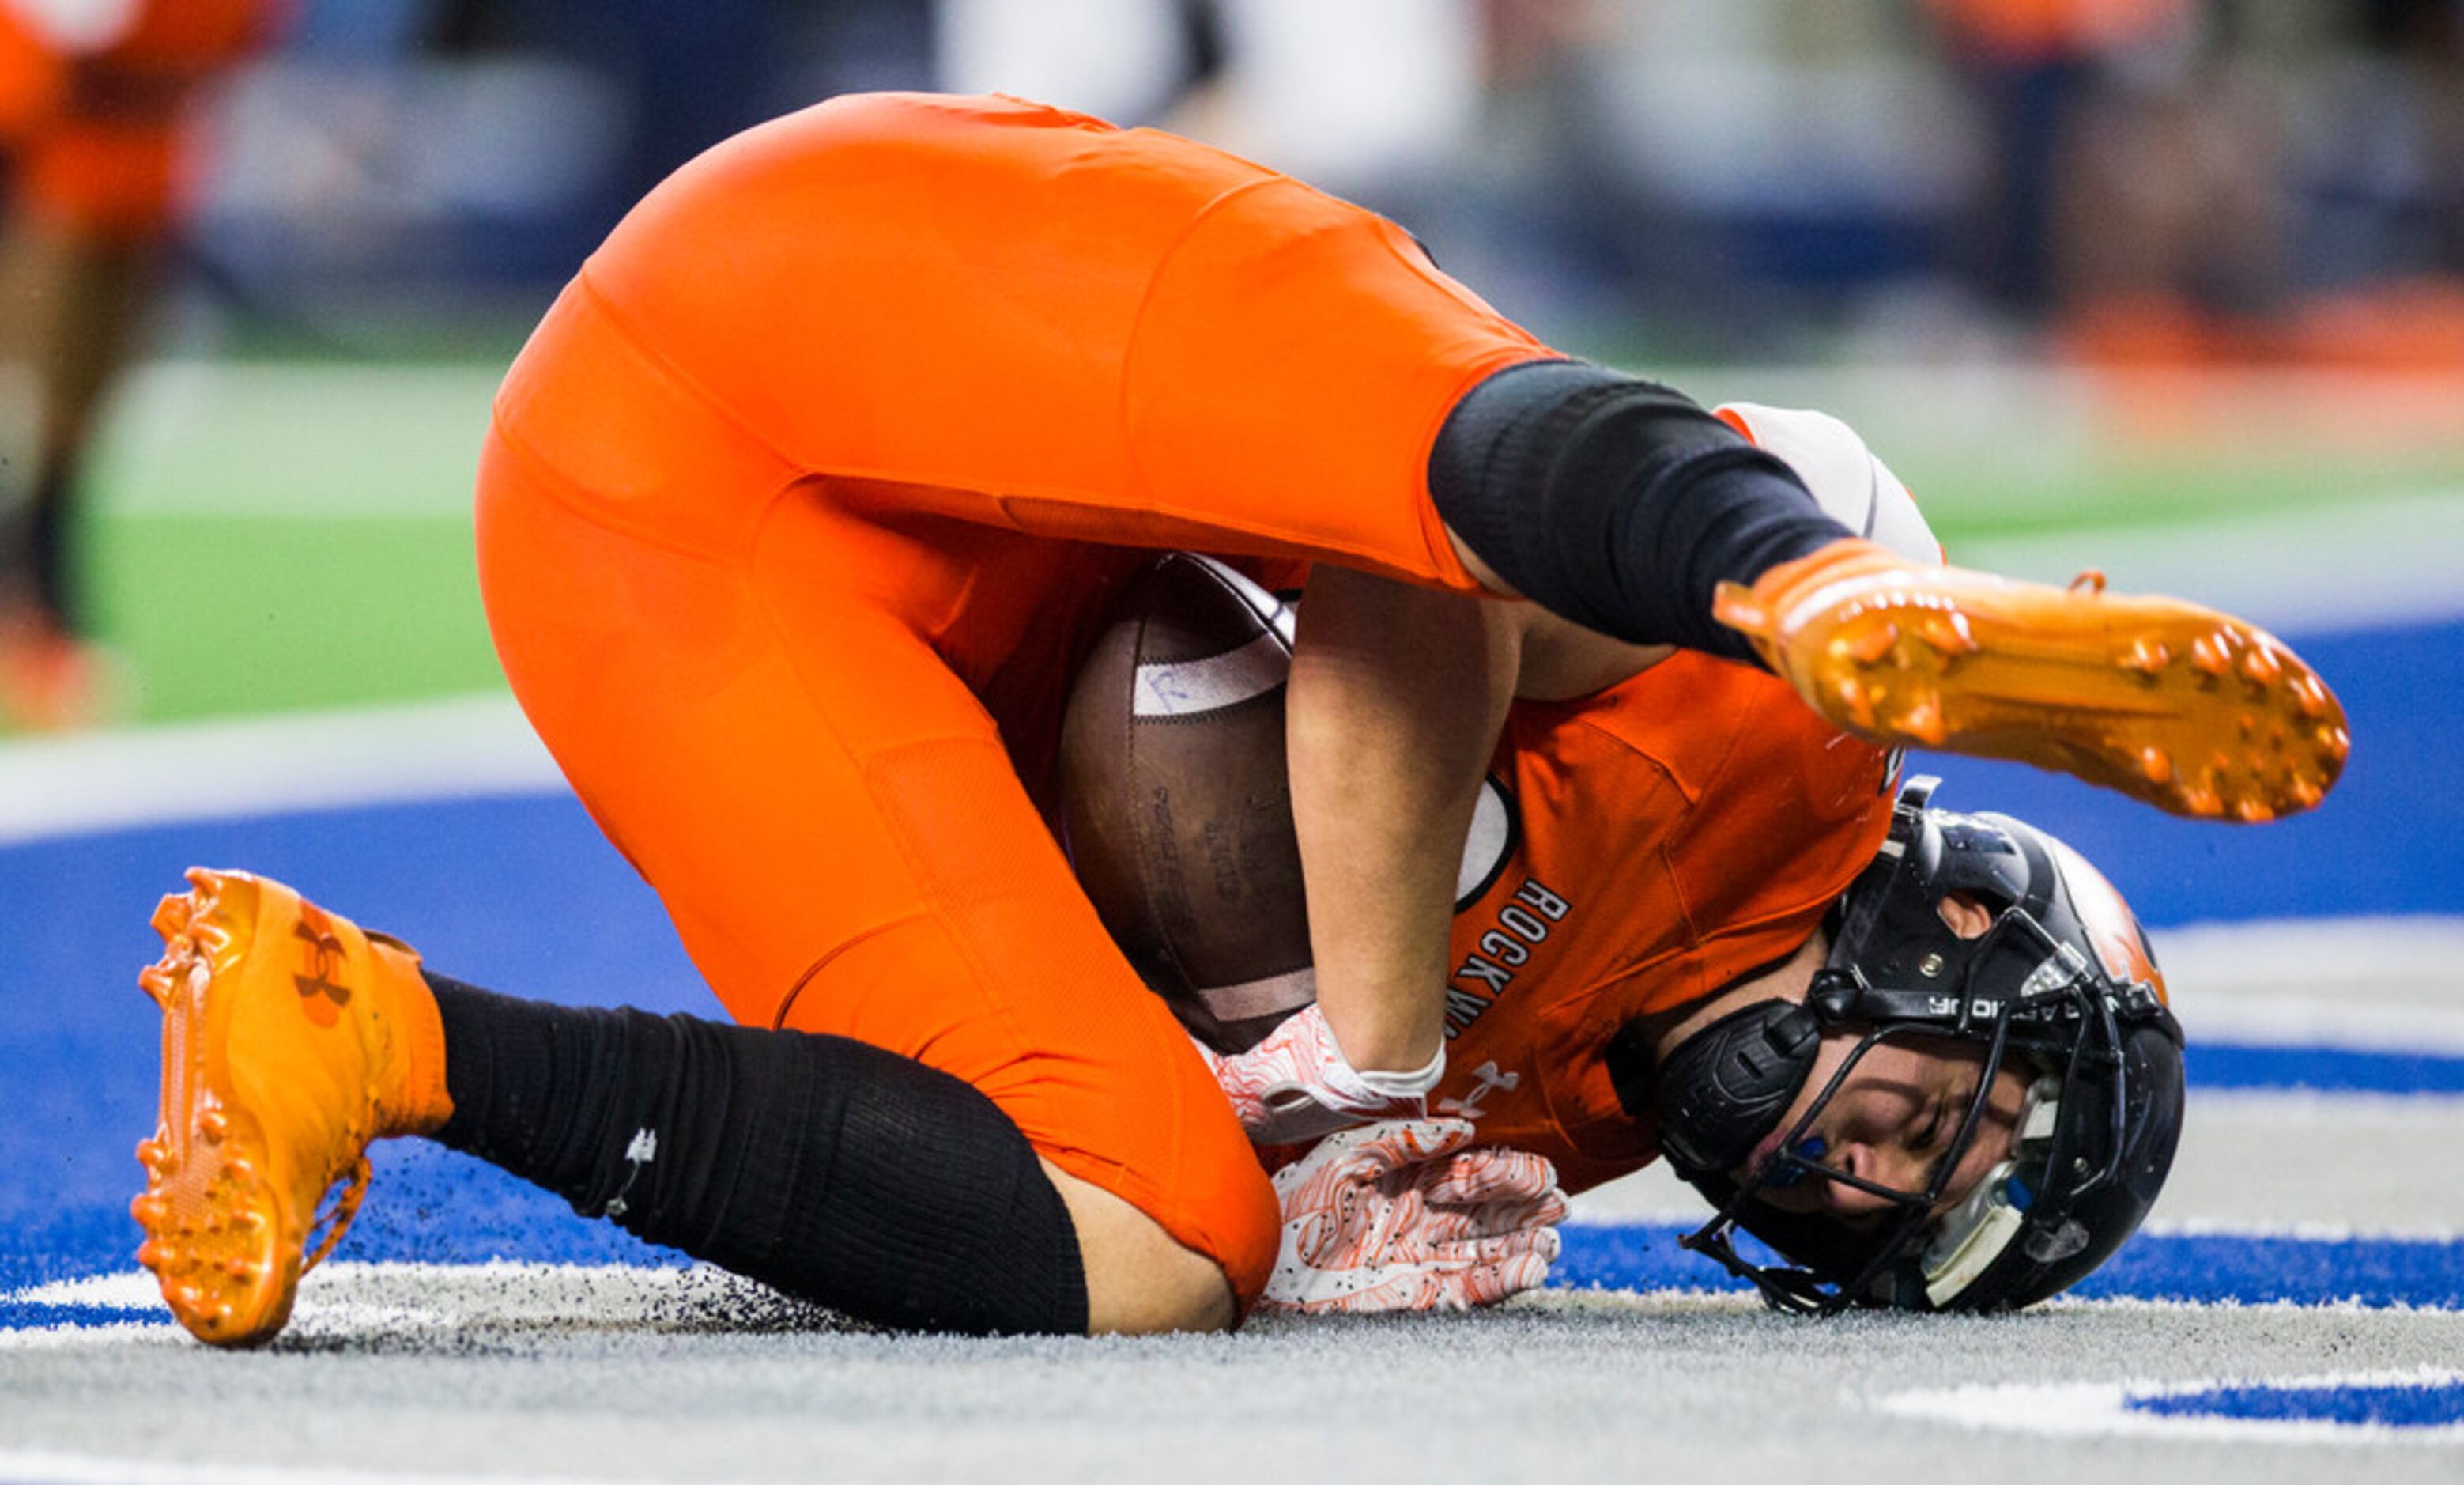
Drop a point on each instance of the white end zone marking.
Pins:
(2360, 983)
(465, 747)
(2085, 1408)
(67, 1469)
(349, 1300)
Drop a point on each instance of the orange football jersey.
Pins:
(1638, 849)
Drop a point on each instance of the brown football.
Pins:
(1177, 801)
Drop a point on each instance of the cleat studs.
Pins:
(1856, 702)
(2202, 801)
(239, 1168)
(1870, 646)
(154, 1156)
(2252, 811)
(2260, 668)
(2309, 697)
(1924, 722)
(1948, 633)
(172, 914)
(2304, 792)
(238, 1268)
(2211, 654)
(150, 1209)
(2147, 656)
(213, 1124)
(2336, 743)
(2156, 765)
(155, 981)
(149, 1256)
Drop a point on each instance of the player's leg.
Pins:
(828, 1168)
(1627, 508)
(1232, 362)
(80, 249)
(843, 839)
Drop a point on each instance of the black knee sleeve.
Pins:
(827, 1168)
(1617, 502)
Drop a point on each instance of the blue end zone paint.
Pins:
(524, 896)
(2390, 838)
(2373, 1272)
(2431, 1404)
(2321, 1068)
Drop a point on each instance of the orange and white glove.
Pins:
(1296, 1085)
(1407, 1216)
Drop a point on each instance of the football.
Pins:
(1177, 799)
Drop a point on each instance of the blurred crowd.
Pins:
(2138, 182)
(1724, 177)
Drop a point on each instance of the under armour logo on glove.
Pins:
(1407, 1216)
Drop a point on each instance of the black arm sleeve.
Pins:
(1617, 502)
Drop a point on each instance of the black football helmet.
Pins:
(2062, 985)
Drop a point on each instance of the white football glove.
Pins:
(1296, 1085)
(1405, 1216)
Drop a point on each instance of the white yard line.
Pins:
(61, 1467)
(2316, 570)
(2073, 1409)
(471, 746)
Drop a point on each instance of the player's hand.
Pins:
(1406, 1216)
(1296, 1084)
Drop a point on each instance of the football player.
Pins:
(795, 513)
(93, 98)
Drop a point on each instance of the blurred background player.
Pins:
(94, 100)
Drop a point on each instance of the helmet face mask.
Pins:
(2059, 986)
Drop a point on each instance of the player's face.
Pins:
(1892, 1122)
(1895, 1118)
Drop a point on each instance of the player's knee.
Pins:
(1140, 1279)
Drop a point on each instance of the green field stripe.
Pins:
(222, 615)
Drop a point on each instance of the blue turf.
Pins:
(2389, 839)
(2374, 1272)
(524, 896)
(2320, 1068)
(2397, 1406)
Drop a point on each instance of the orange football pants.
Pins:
(96, 139)
(800, 505)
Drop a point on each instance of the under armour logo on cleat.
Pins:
(320, 994)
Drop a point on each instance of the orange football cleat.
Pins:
(290, 1039)
(2191, 710)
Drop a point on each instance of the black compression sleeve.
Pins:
(1617, 502)
(820, 1165)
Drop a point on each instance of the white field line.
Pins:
(2316, 570)
(2253, 1163)
(2368, 983)
(464, 747)
(2075, 1409)
(70, 1469)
